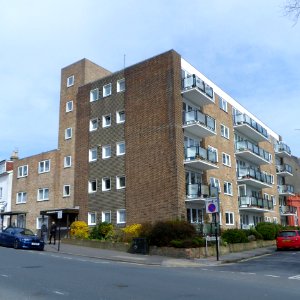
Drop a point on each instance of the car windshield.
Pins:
(287, 233)
(26, 232)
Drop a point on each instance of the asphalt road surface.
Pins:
(44, 275)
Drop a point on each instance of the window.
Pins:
(22, 171)
(68, 133)
(120, 148)
(106, 120)
(223, 104)
(92, 218)
(93, 124)
(120, 116)
(66, 190)
(106, 151)
(226, 159)
(120, 182)
(227, 188)
(67, 161)
(273, 198)
(107, 90)
(93, 154)
(214, 150)
(214, 182)
(229, 216)
(93, 186)
(272, 179)
(40, 221)
(224, 131)
(121, 216)
(44, 166)
(121, 85)
(69, 106)
(43, 194)
(21, 197)
(106, 184)
(94, 95)
(106, 216)
(70, 81)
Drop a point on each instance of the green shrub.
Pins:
(233, 236)
(130, 232)
(253, 231)
(102, 231)
(163, 232)
(267, 230)
(188, 243)
(79, 229)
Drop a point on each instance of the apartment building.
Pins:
(155, 141)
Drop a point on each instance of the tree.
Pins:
(292, 9)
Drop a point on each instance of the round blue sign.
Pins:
(211, 207)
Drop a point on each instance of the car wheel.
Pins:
(16, 244)
(41, 249)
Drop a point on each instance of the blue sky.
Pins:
(248, 48)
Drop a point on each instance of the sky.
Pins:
(250, 49)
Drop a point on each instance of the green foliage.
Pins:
(188, 243)
(102, 231)
(233, 236)
(131, 231)
(253, 231)
(268, 231)
(79, 229)
(163, 232)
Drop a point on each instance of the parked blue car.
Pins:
(21, 238)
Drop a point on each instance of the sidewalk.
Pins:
(155, 260)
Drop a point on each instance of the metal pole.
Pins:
(216, 235)
(58, 246)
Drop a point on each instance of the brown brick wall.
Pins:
(155, 188)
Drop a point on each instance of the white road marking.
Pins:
(58, 293)
(297, 277)
(274, 276)
(4, 275)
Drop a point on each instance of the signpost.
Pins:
(59, 217)
(212, 207)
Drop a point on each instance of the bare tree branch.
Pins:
(292, 9)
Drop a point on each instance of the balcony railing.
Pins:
(248, 146)
(195, 82)
(196, 116)
(287, 210)
(199, 190)
(284, 168)
(285, 189)
(282, 147)
(245, 119)
(253, 202)
(254, 174)
(196, 152)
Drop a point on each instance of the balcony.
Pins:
(200, 158)
(253, 204)
(287, 210)
(247, 126)
(285, 190)
(199, 192)
(254, 178)
(251, 152)
(284, 170)
(282, 150)
(197, 91)
(199, 124)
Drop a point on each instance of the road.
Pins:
(44, 275)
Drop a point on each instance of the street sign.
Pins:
(59, 214)
(212, 206)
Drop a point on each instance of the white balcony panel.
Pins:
(250, 132)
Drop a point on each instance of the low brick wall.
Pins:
(173, 252)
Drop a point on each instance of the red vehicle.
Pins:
(288, 239)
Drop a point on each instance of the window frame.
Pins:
(104, 181)
(223, 104)
(42, 166)
(228, 190)
(118, 152)
(45, 194)
(70, 80)
(69, 103)
(227, 161)
(23, 197)
(104, 124)
(104, 148)
(119, 211)
(68, 133)
(94, 95)
(90, 219)
(92, 122)
(103, 216)
(224, 130)
(118, 182)
(93, 154)
(119, 84)
(230, 218)
(118, 119)
(64, 190)
(21, 171)
(66, 158)
(106, 93)
(90, 185)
